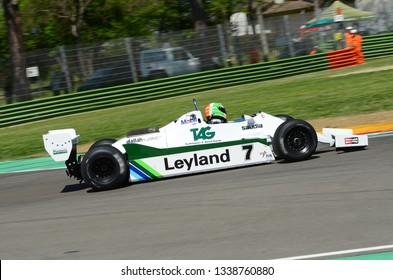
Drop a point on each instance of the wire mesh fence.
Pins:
(67, 69)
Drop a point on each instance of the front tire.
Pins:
(295, 140)
(284, 117)
(104, 167)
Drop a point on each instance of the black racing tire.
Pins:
(284, 117)
(106, 141)
(104, 168)
(295, 140)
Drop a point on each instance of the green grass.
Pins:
(310, 96)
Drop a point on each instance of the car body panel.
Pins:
(147, 163)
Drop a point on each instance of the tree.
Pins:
(258, 7)
(220, 11)
(67, 17)
(199, 20)
(65, 14)
(67, 22)
(20, 83)
(73, 22)
(198, 15)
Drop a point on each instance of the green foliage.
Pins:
(4, 53)
(48, 23)
(219, 11)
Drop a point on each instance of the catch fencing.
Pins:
(67, 69)
(143, 91)
(73, 103)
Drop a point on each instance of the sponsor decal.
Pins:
(142, 171)
(266, 155)
(192, 120)
(59, 152)
(351, 140)
(196, 160)
(145, 139)
(255, 126)
(202, 133)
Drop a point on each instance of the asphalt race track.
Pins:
(333, 202)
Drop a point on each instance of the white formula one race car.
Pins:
(190, 145)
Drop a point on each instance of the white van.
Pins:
(166, 62)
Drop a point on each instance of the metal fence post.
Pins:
(64, 68)
(128, 44)
(262, 36)
(288, 35)
(223, 49)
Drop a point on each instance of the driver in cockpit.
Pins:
(215, 113)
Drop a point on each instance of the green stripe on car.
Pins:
(137, 151)
(151, 172)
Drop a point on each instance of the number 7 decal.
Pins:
(248, 149)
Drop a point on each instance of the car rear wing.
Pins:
(60, 143)
(61, 146)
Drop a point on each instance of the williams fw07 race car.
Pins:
(190, 145)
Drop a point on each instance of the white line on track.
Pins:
(368, 250)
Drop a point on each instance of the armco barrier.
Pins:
(342, 58)
(73, 103)
(378, 45)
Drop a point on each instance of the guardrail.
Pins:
(342, 58)
(80, 102)
(378, 45)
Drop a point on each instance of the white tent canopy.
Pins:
(338, 11)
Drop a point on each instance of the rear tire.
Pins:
(295, 140)
(106, 141)
(104, 167)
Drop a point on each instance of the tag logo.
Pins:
(203, 133)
